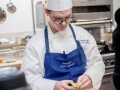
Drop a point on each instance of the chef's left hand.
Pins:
(84, 82)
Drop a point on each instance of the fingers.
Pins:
(81, 81)
(84, 82)
(66, 85)
(63, 85)
(86, 85)
(89, 86)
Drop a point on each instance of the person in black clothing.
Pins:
(116, 47)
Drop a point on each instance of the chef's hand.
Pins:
(84, 82)
(64, 85)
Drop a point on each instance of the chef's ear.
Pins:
(47, 11)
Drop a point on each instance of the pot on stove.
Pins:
(103, 47)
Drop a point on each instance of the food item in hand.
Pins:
(74, 85)
(1, 59)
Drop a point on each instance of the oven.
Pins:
(92, 15)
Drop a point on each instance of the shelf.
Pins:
(8, 46)
(17, 63)
(108, 56)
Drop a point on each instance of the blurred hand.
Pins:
(84, 82)
(64, 85)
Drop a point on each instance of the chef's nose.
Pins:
(64, 22)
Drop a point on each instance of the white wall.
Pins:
(116, 5)
(18, 22)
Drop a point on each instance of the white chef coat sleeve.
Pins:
(33, 71)
(95, 66)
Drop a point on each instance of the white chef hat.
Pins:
(58, 5)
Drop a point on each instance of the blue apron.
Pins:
(62, 66)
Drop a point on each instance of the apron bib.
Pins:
(61, 66)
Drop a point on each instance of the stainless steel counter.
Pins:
(107, 81)
(108, 56)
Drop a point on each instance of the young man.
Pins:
(62, 54)
(116, 46)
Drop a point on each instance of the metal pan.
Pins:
(11, 7)
(2, 15)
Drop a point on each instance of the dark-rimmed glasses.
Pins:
(60, 21)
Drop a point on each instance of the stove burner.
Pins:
(109, 62)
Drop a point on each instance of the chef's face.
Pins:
(59, 20)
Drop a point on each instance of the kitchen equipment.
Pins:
(12, 79)
(18, 47)
(4, 41)
(103, 47)
(92, 14)
(2, 15)
(5, 50)
(7, 55)
(23, 39)
(110, 44)
(107, 81)
(19, 51)
(11, 7)
(15, 39)
(40, 21)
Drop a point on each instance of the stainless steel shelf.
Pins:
(108, 56)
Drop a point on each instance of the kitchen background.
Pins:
(27, 20)
(19, 23)
(22, 22)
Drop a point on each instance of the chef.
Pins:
(62, 54)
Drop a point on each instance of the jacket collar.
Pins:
(60, 34)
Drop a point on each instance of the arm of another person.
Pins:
(32, 67)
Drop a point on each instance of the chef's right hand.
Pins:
(63, 85)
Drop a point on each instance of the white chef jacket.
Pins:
(33, 61)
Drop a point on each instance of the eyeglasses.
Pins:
(60, 21)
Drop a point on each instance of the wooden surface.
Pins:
(8, 46)
(16, 63)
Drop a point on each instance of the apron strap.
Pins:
(46, 40)
(78, 44)
(72, 31)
